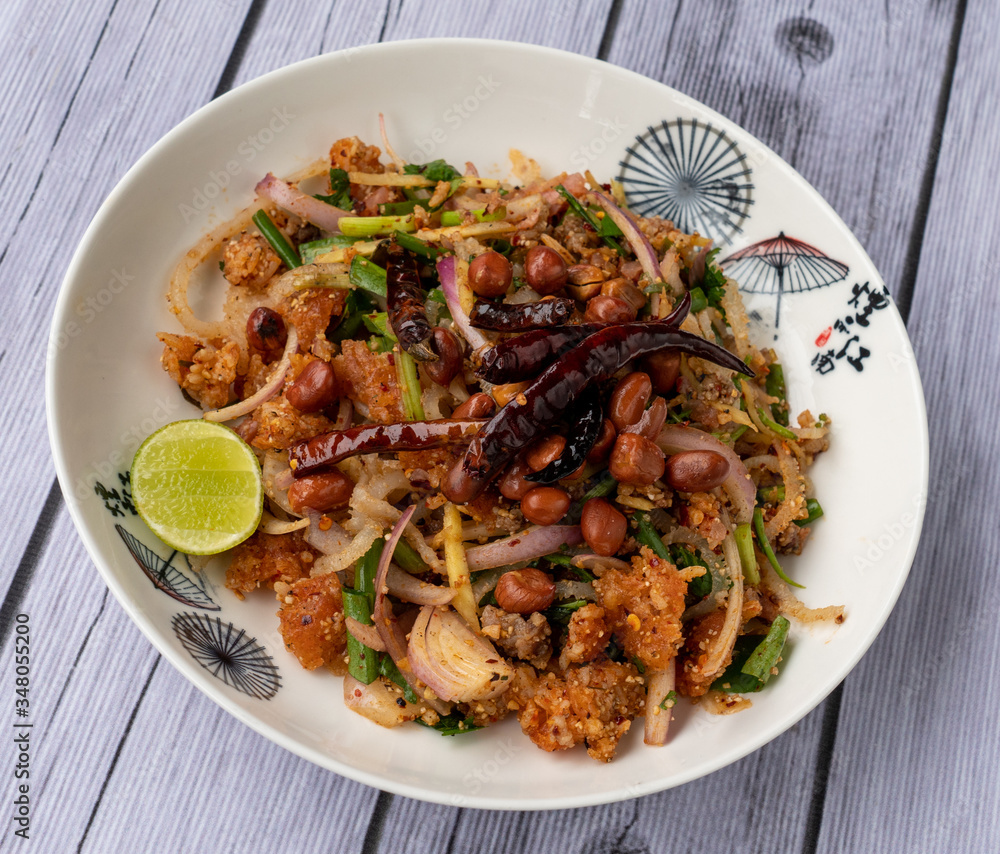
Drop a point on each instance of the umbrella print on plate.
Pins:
(781, 265)
(229, 654)
(165, 576)
(691, 173)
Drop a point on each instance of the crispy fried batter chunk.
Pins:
(586, 638)
(370, 379)
(312, 622)
(279, 424)
(352, 155)
(205, 371)
(249, 260)
(592, 704)
(264, 559)
(643, 607)
(526, 638)
(311, 311)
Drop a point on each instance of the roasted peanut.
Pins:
(545, 451)
(490, 274)
(625, 290)
(545, 505)
(663, 368)
(696, 471)
(320, 492)
(266, 330)
(480, 405)
(602, 309)
(604, 528)
(449, 360)
(523, 591)
(457, 486)
(513, 484)
(545, 269)
(313, 389)
(605, 442)
(629, 399)
(585, 274)
(636, 460)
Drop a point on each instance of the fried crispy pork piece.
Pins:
(587, 636)
(205, 371)
(592, 704)
(264, 559)
(526, 638)
(312, 622)
(249, 261)
(370, 379)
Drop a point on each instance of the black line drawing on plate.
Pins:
(781, 265)
(229, 654)
(691, 173)
(167, 577)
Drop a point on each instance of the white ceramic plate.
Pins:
(842, 342)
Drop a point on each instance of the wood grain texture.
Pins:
(919, 772)
(131, 757)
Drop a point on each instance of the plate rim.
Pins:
(160, 642)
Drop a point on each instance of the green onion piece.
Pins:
(406, 556)
(409, 383)
(784, 432)
(378, 324)
(453, 724)
(277, 240)
(560, 559)
(455, 217)
(387, 668)
(601, 489)
(369, 226)
(314, 248)
(366, 569)
(588, 218)
(771, 494)
(699, 301)
(562, 612)
(398, 208)
(415, 244)
(774, 385)
(367, 276)
(739, 431)
(734, 680)
(814, 509)
(362, 661)
(647, 536)
(765, 657)
(682, 558)
(758, 524)
(744, 544)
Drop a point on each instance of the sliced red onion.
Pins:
(659, 684)
(385, 621)
(404, 586)
(651, 421)
(345, 414)
(675, 438)
(368, 635)
(643, 249)
(449, 284)
(455, 663)
(266, 391)
(301, 204)
(525, 545)
(396, 159)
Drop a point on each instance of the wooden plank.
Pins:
(917, 772)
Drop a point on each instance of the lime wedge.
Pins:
(198, 487)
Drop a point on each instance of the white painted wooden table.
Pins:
(888, 109)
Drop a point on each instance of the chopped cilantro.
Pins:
(340, 191)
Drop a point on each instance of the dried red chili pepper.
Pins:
(517, 359)
(405, 300)
(327, 449)
(598, 357)
(586, 419)
(504, 317)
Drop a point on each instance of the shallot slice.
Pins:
(301, 204)
(447, 272)
(526, 545)
(659, 686)
(266, 391)
(643, 249)
(455, 662)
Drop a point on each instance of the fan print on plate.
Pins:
(693, 174)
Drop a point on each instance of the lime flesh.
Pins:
(198, 486)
